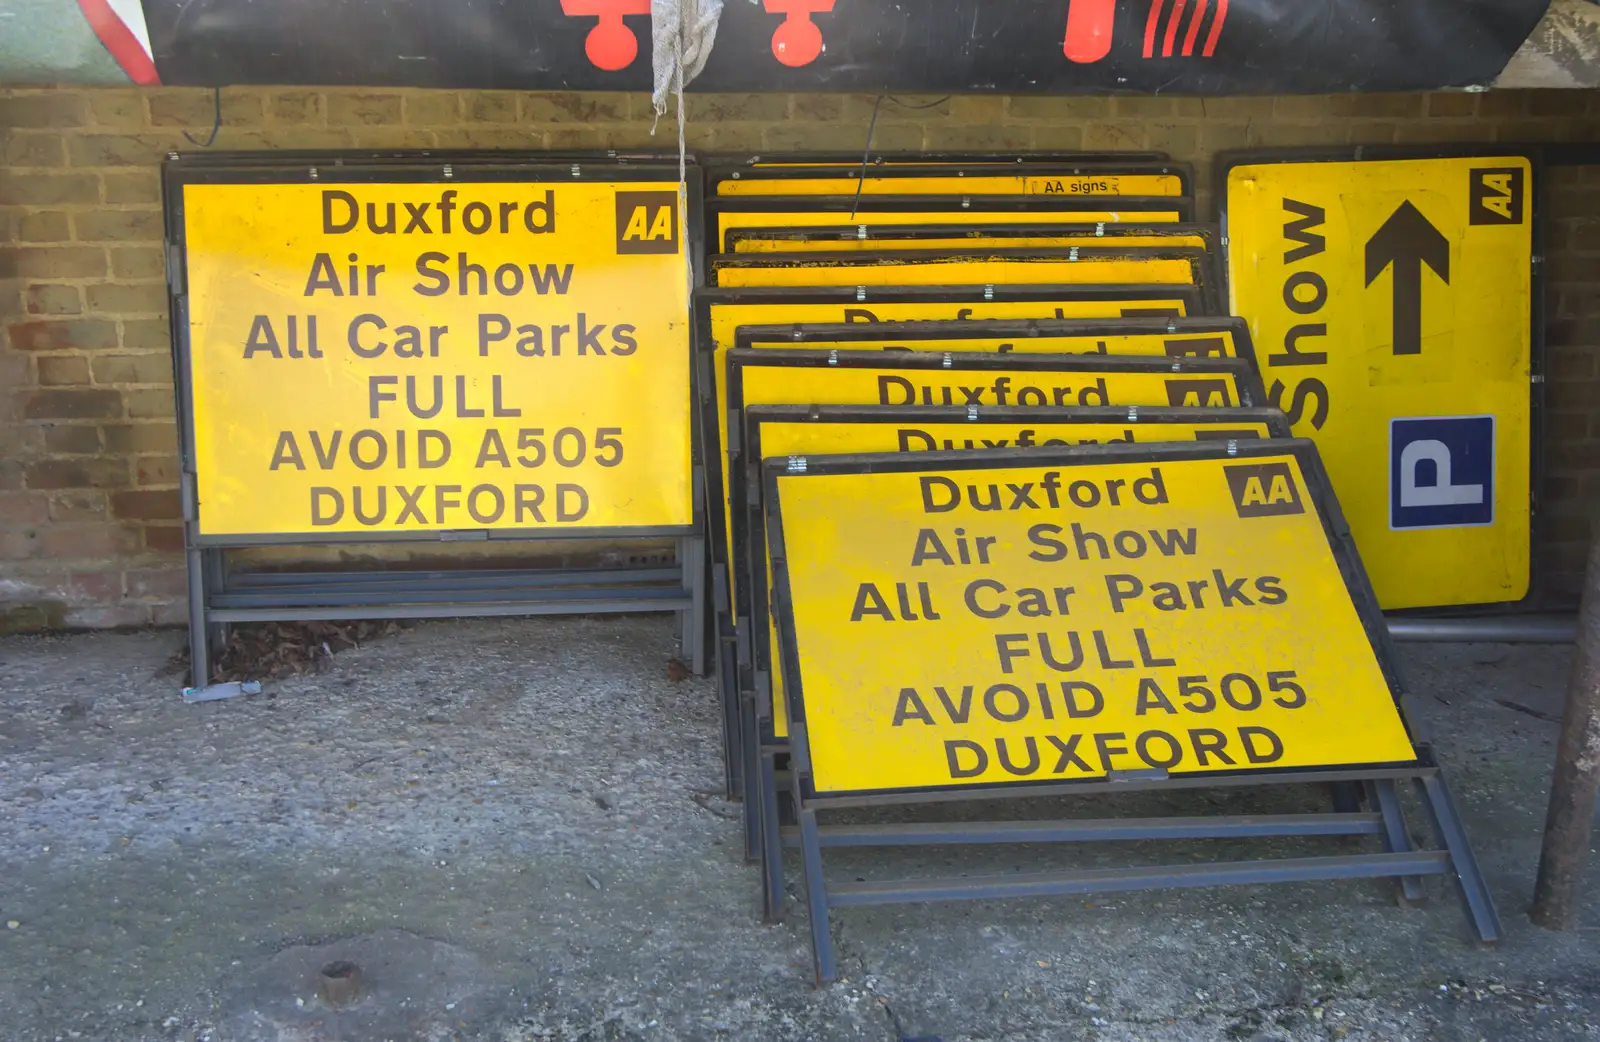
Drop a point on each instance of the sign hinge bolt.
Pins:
(861, 294)
(1177, 367)
(948, 360)
(797, 464)
(313, 173)
(798, 334)
(577, 171)
(1172, 327)
(966, 203)
(1099, 228)
(1537, 378)
(833, 357)
(1133, 414)
(988, 292)
(449, 172)
(736, 173)
(1073, 255)
(861, 231)
(972, 412)
(1233, 447)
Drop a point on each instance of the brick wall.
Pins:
(89, 532)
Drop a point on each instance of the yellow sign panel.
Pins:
(820, 438)
(1217, 343)
(377, 358)
(728, 220)
(789, 244)
(1391, 304)
(1062, 185)
(1032, 623)
(740, 270)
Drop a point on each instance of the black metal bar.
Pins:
(596, 606)
(774, 900)
(824, 801)
(199, 652)
(1098, 830)
(1569, 822)
(692, 564)
(1108, 880)
(1440, 808)
(464, 598)
(487, 578)
(817, 895)
(750, 774)
(1396, 840)
(733, 763)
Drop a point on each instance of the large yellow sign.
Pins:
(725, 318)
(1046, 184)
(1090, 266)
(799, 437)
(1219, 341)
(788, 242)
(1391, 306)
(1029, 623)
(728, 220)
(377, 358)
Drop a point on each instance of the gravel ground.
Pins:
(517, 827)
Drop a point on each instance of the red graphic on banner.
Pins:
(611, 45)
(1092, 23)
(797, 41)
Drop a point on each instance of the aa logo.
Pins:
(1497, 195)
(1203, 394)
(647, 222)
(1263, 489)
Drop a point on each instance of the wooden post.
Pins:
(1570, 821)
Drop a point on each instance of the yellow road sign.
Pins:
(853, 238)
(1177, 337)
(1045, 184)
(1391, 305)
(1005, 621)
(779, 431)
(379, 358)
(793, 217)
(1103, 266)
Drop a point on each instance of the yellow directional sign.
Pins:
(379, 357)
(1391, 306)
(1010, 621)
(1046, 184)
(792, 217)
(853, 431)
(1102, 266)
(1177, 338)
(755, 242)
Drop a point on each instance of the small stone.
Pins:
(593, 881)
(12, 924)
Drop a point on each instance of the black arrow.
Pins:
(1408, 240)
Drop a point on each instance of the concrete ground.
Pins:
(515, 828)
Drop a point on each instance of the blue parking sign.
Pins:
(1441, 472)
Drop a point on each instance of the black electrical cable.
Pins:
(866, 155)
(216, 121)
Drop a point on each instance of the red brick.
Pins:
(47, 189)
(53, 262)
(23, 508)
(118, 226)
(48, 299)
(492, 107)
(45, 109)
(133, 369)
(106, 617)
(146, 334)
(147, 505)
(76, 473)
(156, 470)
(170, 613)
(19, 544)
(166, 539)
(96, 586)
(367, 109)
(73, 404)
(83, 334)
(61, 439)
(141, 186)
(151, 584)
(138, 262)
(86, 539)
(47, 149)
(135, 438)
(120, 149)
(150, 403)
(63, 371)
(78, 506)
(44, 226)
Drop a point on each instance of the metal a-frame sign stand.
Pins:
(1452, 857)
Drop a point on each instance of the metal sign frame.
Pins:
(1133, 208)
(708, 377)
(1088, 166)
(761, 745)
(218, 597)
(1099, 233)
(1453, 857)
(742, 161)
(927, 336)
(1197, 259)
(1537, 362)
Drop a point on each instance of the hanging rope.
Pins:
(682, 33)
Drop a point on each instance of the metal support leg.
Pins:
(816, 893)
(692, 622)
(1396, 840)
(773, 898)
(1569, 822)
(1447, 828)
(750, 778)
(1346, 797)
(199, 649)
(733, 773)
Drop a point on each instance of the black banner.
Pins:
(868, 46)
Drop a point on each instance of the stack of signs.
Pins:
(1040, 314)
